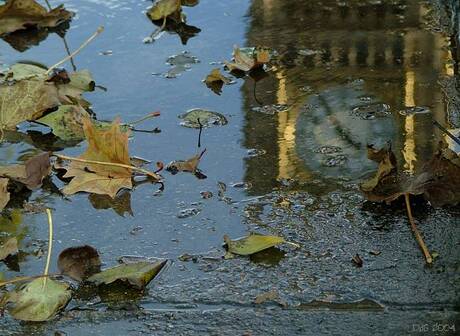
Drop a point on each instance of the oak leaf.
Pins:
(104, 145)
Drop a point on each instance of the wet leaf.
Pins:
(189, 3)
(251, 244)
(10, 247)
(79, 262)
(194, 117)
(163, 8)
(31, 173)
(38, 300)
(246, 59)
(26, 93)
(438, 181)
(27, 99)
(4, 194)
(137, 274)
(109, 145)
(190, 165)
(215, 80)
(66, 122)
(22, 14)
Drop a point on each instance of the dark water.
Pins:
(347, 74)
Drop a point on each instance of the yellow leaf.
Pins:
(252, 244)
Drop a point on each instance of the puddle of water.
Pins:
(347, 74)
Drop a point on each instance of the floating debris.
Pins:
(186, 213)
(415, 110)
(271, 109)
(180, 63)
(372, 111)
(196, 118)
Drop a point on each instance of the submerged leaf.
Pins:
(10, 247)
(137, 274)
(38, 300)
(109, 145)
(79, 262)
(251, 244)
(4, 194)
(31, 173)
(22, 14)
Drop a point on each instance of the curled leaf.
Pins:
(137, 274)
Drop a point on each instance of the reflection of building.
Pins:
(327, 43)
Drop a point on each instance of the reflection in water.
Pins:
(336, 58)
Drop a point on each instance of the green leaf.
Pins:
(66, 122)
(164, 8)
(137, 274)
(252, 244)
(38, 300)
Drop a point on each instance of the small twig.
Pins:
(159, 30)
(416, 232)
(449, 134)
(199, 134)
(50, 246)
(147, 117)
(67, 49)
(113, 164)
(26, 278)
(92, 37)
(48, 4)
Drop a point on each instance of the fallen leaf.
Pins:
(190, 166)
(137, 274)
(161, 9)
(10, 247)
(38, 300)
(31, 173)
(215, 80)
(79, 262)
(66, 122)
(22, 14)
(247, 59)
(438, 181)
(4, 194)
(196, 118)
(251, 244)
(109, 145)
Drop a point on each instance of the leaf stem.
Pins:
(99, 30)
(416, 232)
(114, 164)
(50, 246)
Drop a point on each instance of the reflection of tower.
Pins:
(327, 44)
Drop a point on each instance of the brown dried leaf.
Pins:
(215, 80)
(22, 14)
(439, 181)
(104, 145)
(246, 59)
(31, 173)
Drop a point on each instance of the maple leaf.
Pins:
(104, 145)
(22, 14)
